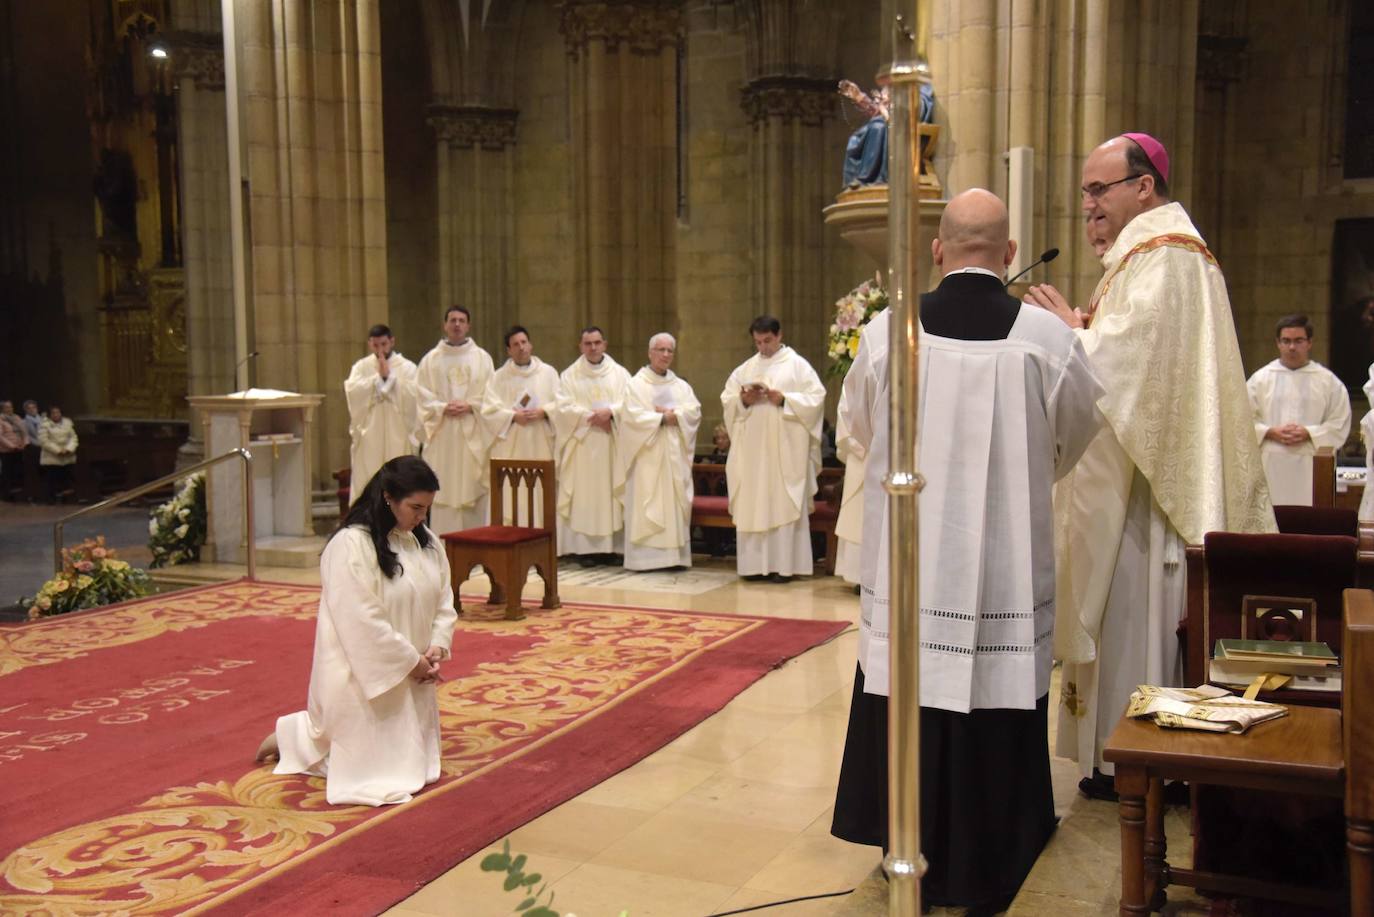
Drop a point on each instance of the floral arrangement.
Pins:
(176, 530)
(91, 575)
(852, 311)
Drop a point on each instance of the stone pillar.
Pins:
(623, 73)
(476, 212)
(794, 180)
(198, 61)
(311, 86)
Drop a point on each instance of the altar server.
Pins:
(516, 410)
(1299, 406)
(1006, 406)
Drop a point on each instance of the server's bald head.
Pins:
(974, 232)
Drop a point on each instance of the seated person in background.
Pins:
(720, 441)
(371, 723)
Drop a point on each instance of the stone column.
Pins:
(794, 180)
(311, 85)
(476, 211)
(198, 59)
(623, 72)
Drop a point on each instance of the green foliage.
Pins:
(514, 868)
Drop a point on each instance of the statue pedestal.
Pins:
(860, 214)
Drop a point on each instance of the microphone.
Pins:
(239, 364)
(1045, 258)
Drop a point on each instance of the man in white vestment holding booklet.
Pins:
(1300, 406)
(452, 382)
(515, 411)
(773, 403)
(656, 441)
(1007, 406)
(591, 520)
(1177, 459)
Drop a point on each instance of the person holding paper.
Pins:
(380, 390)
(654, 448)
(590, 516)
(515, 409)
(773, 404)
(452, 380)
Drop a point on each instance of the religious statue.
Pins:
(865, 157)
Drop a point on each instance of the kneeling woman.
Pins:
(371, 726)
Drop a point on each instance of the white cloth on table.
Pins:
(368, 728)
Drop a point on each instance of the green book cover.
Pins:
(1240, 649)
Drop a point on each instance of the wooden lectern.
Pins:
(276, 428)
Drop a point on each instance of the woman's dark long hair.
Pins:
(397, 479)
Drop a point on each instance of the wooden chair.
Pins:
(1311, 752)
(507, 552)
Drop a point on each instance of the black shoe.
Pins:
(754, 577)
(1098, 786)
(779, 578)
(587, 560)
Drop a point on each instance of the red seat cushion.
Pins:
(824, 511)
(495, 534)
(707, 504)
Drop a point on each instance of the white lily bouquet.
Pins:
(177, 528)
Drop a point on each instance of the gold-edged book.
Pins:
(1291, 652)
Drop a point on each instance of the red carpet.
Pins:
(127, 734)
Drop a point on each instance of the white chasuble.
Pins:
(381, 416)
(775, 453)
(1312, 396)
(369, 729)
(654, 466)
(514, 387)
(590, 515)
(1000, 420)
(456, 446)
(1163, 342)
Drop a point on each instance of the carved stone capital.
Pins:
(791, 98)
(646, 26)
(198, 56)
(471, 127)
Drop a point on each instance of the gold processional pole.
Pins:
(904, 864)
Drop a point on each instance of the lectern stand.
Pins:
(276, 427)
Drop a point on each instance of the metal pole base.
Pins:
(904, 885)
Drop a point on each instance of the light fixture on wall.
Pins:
(157, 49)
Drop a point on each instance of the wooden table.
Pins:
(1297, 754)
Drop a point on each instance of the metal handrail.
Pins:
(142, 489)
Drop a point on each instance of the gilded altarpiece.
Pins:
(132, 113)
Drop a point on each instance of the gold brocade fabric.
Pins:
(198, 846)
(1163, 341)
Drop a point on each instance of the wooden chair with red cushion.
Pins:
(507, 552)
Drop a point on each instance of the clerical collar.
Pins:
(974, 270)
(463, 343)
(524, 365)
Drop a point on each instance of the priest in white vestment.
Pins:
(1178, 457)
(380, 391)
(773, 403)
(1300, 406)
(371, 725)
(452, 383)
(1367, 436)
(1007, 405)
(655, 443)
(591, 519)
(849, 526)
(516, 410)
